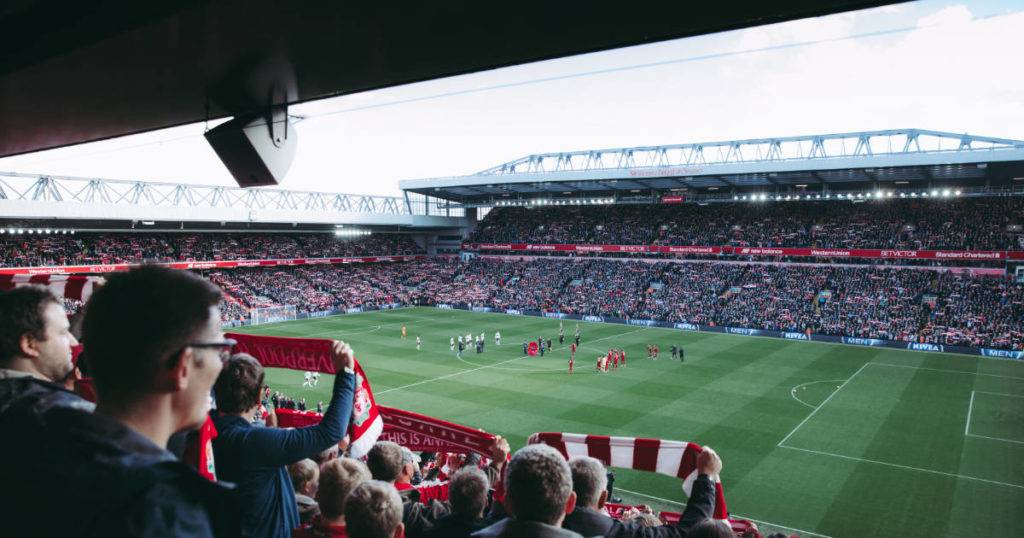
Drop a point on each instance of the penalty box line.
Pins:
(970, 409)
(885, 463)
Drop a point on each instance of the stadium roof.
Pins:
(107, 202)
(73, 72)
(900, 158)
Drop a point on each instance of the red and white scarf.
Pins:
(65, 286)
(314, 355)
(672, 458)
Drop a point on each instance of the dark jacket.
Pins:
(24, 399)
(419, 517)
(93, 476)
(700, 507)
(512, 528)
(255, 458)
(453, 526)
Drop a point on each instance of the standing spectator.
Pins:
(387, 464)
(305, 475)
(467, 493)
(35, 355)
(338, 478)
(155, 350)
(374, 510)
(589, 482)
(255, 458)
(538, 494)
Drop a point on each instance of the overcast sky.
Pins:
(933, 65)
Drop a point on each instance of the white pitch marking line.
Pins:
(822, 404)
(970, 407)
(995, 438)
(907, 467)
(947, 371)
(792, 391)
(460, 372)
(638, 494)
(999, 394)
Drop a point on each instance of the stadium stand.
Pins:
(911, 305)
(103, 248)
(967, 224)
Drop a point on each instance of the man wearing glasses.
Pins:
(155, 349)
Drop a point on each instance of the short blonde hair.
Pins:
(338, 478)
(373, 510)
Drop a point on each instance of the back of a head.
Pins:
(710, 528)
(385, 460)
(373, 510)
(137, 321)
(338, 478)
(539, 484)
(302, 473)
(467, 492)
(589, 479)
(238, 386)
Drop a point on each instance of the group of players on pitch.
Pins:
(614, 358)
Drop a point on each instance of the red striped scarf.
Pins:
(672, 458)
(66, 286)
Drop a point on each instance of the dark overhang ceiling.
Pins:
(73, 72)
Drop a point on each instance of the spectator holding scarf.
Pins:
(255, 458)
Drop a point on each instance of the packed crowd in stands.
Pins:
(110, 247)
(886, 303)
(960, 224)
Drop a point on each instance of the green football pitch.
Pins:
(817, 439)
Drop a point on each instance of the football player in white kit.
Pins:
(418, 343)
(451, 343)
(497, 338)
(307, 379)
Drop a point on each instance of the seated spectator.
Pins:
(338, 478)
(538, 494)
(305, 475)
(467, 494)
(589, 482)
(254, 458)
(155, 351)
(374, 510)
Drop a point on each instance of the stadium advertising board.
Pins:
(1002, 353)
(514, 312)
(977, 255)
(686, 326)
(215, 264)
(924, 346)
(795, 336)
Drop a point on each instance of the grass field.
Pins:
(825, 439)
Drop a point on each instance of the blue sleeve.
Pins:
(276, 447)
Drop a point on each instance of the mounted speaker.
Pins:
(257, 150)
